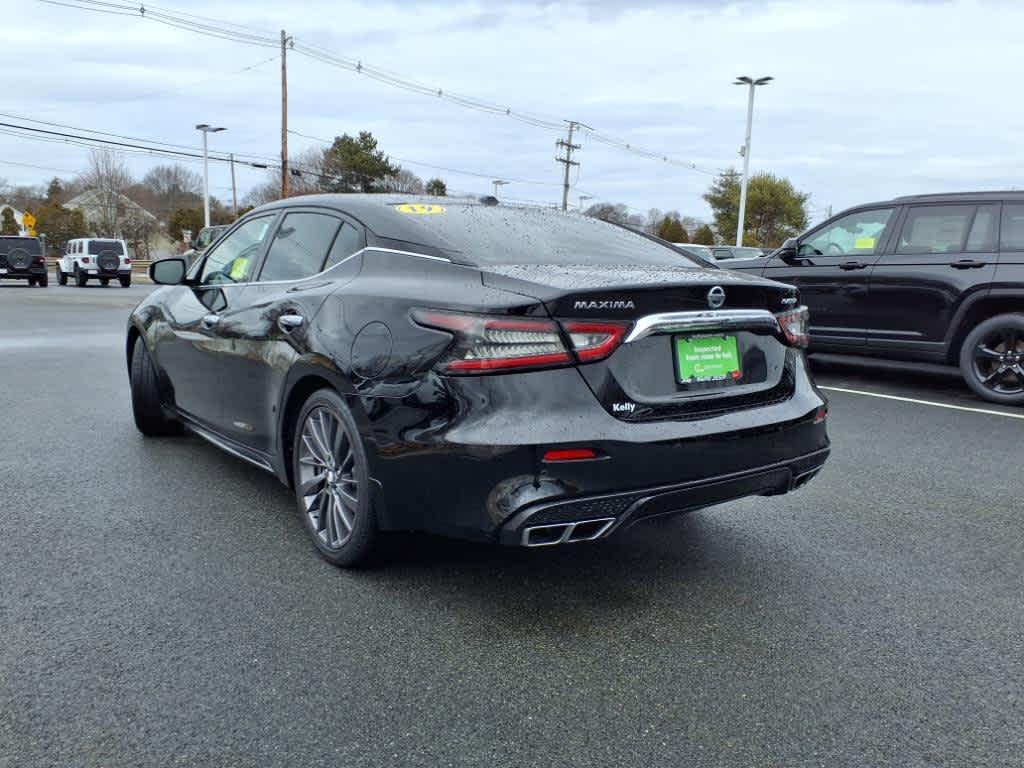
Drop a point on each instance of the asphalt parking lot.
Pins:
(160, 604)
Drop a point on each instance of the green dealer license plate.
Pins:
(707, 358)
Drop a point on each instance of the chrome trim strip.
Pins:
(224, 446)
(704, 320)
(324, 272)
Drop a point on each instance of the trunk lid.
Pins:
(702, 341)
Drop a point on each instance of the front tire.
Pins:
(992, 359)
(150, 416)
(62, 277)
(331, 476)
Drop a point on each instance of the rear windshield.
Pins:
(96, 247)
(28, 244)
(499, 235)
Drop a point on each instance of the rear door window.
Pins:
(1012, 230)
(349, 240)
(935, 229)
(300, 246)
(96, 247)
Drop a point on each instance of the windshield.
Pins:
(97, 247)
(747, 253)
(502, 235)
(29, 244)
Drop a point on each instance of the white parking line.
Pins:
(924, 402)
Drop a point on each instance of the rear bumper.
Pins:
(36, 270)
(481, 474)
(588, 518)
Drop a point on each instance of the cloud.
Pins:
(870, 99)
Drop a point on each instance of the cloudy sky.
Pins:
(871, 99)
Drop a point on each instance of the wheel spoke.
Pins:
(313, 448)
(322, 443)
(340, 442)
(986, 353)
(345, 515)
(991, 378)
(313, 485)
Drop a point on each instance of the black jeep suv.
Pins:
(21, 258)
(936, 278)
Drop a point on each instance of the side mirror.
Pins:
(167, 271)
(789, 249)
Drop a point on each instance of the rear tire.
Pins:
(125, 281)
(31, 282)
(332, 482)
(80, 278)
(43, 280)
(150, 415)
(992, 359)
(62, 278)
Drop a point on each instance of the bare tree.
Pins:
(173, 187)
(307, 178)
(107, 177)
(405, 182)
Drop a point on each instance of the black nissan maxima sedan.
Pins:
(510, 375)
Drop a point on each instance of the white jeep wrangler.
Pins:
(87, 258)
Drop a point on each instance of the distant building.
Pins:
(111, 214)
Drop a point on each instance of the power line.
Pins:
(249, 36)
(461, 172)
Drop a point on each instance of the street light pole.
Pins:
(205, 128)
(585, 197)
(751, 84)
(498, 183)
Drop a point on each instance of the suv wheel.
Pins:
(80, 277)
(992, 359)
(332, 481)
(126, 281)
(150, 416)
(62, 277)
(104, 281)
(31, 282)
(43, 280)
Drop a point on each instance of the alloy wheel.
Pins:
(999, 361)
(327, 483)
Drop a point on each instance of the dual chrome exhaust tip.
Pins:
(566, 533)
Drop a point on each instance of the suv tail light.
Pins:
(127, 261)
(85, 259)
(485, 343)
(794, 326)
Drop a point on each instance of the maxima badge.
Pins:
(716, 297)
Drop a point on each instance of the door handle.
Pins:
(848, 265)
(967, 264)
(210, 320)
(289, 323)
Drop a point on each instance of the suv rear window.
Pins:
(29, 244)
(500, 235)
(96, 247)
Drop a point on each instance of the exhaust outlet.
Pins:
(566, 533)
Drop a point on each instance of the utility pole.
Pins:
(284, 113)
(234, 189)
(567, 161)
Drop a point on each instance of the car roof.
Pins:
(377, 212)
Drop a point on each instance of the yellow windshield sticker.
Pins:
(419, 209)
(864, 244)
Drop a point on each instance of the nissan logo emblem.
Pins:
(716, 297)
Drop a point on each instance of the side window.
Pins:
(935, 229)
(858, 234)
(299, 247)
(234, 258)
(1012, 237)
(349, 241)
(983, 232)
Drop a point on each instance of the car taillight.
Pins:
(85, 259)
(127, 261)
(41, 259)
(794, 326)
(594, 341)
(484, 343)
